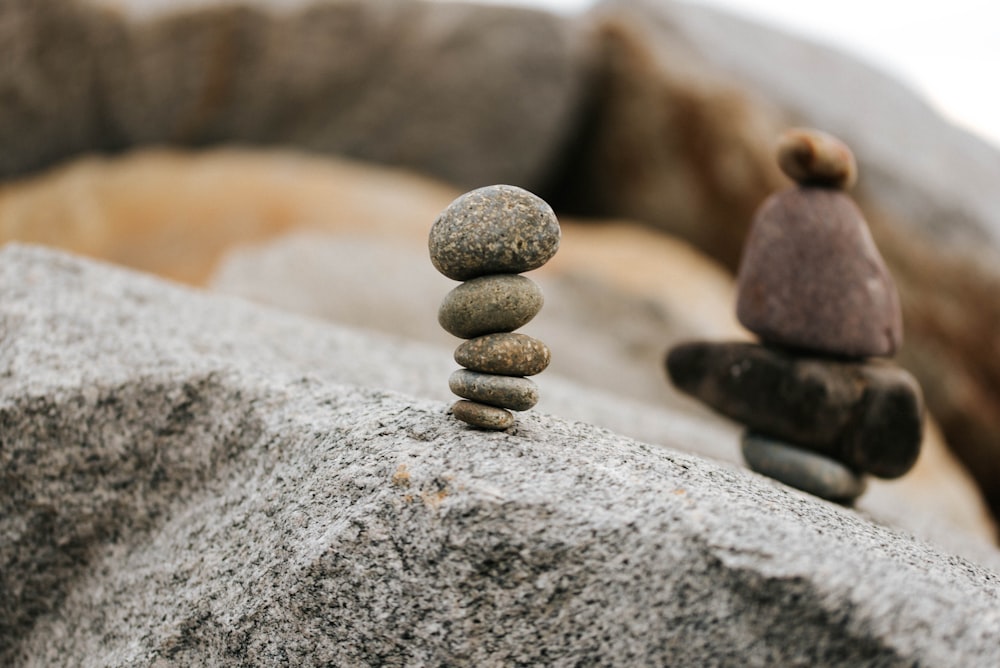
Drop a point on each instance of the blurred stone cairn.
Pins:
(486, 238)
(820, 414)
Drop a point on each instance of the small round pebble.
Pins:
(482, 416)
(803, 470)
(814, 158)
(507, 354)
(489, 304)
(517, 394)
(493, 230)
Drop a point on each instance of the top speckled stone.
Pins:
(493, 230)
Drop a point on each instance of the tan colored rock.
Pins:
(813, 158)
(174, 213)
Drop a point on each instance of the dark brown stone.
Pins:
(507, 354)
(867, 416)
(812, 278)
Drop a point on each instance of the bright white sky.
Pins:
(947, 49)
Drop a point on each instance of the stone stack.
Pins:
(813, 287)
(486, 238)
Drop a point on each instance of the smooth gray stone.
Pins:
(490, 304)
(507, 354)
(493, 230)
(802, 469)
(189, 479)
(517, 394)
(482, 416)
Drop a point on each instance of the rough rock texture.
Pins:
(425, 85)
(689, 105)
(612, 312)
(812, 278)
(194, 480)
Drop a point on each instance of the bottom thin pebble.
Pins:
(482, 416)
(801, 469)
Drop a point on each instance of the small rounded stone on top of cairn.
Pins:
(813, 158)
(820, 415)
(486, 238)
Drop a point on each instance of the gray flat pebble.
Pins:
(517, 394)
(493, 230)
(490, 304)
(507, 354)
(801, 469)
(482, 415)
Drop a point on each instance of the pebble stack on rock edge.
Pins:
(820, 415)
(487, 238)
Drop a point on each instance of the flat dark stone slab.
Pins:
(868, 416)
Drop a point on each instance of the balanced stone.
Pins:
(489, 304)
(508, 354)
(867, 415)
(811, 278)
(493, 230)
(483, 416)
(813, 158)
(802, 470)
(518, 394)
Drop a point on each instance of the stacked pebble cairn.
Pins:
(812, 285)
(486, 238)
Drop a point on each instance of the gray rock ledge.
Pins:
(188, 480)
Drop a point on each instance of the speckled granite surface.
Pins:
(192, 480)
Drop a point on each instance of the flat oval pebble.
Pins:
(507, 354)
(517, 394)
(803, 470)
(482, 416)
(493, 230)
(815, 158)
(490, 304)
